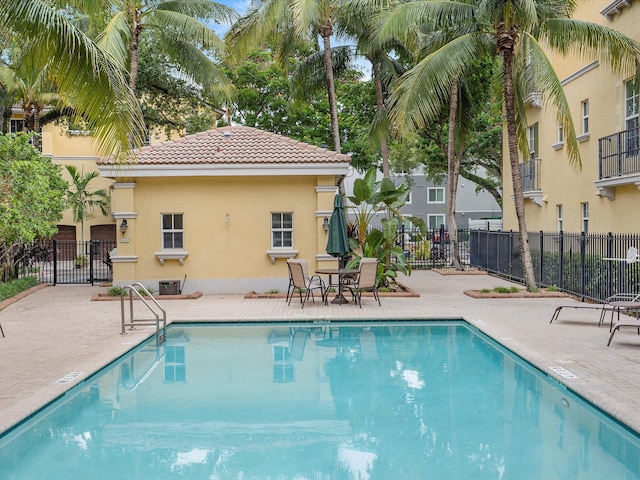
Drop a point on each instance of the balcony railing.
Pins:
(619, 154)
(530, 173)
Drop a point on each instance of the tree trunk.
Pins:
(326, 33)
(453, 167)
(384, 148)
(37, 138)
(506, 42)
(134, 14)
(331, 90)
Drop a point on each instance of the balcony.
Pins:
(530, 174)
(618, 161)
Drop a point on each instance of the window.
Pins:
(283, 369)
(434, 221)
(174, 364)
(172, 231)
(560, 134)
(282, 230)
(631, 116)
(584, 109)
(532, 134)
(435, 195)
(16, 126)
(584, 207)
(559, 216)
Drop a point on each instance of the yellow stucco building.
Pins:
(224, 209)
(602, 195)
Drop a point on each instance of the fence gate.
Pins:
(68, 261)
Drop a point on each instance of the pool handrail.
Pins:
(137, 287)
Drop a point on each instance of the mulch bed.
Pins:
(453, 271)
(402, 292)
(105, 297)
(519, 294)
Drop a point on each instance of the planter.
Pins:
(401, 291)
(105, 297)
(519, 294)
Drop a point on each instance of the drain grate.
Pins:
(70, 377)
(563, 372)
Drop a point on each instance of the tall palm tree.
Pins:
(28, 83)
(83, 201)
(85, 76)
(178, 31)
(289, 22)
(514, 31)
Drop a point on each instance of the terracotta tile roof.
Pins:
(233, 146)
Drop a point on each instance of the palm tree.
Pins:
(515, 32)
(83, 201)
(28, 83)
(84, 75)
(290, 22)
(177, 31)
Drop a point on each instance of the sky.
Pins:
(242, 6)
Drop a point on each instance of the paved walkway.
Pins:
(57, 331)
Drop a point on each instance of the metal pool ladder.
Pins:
(160, 316)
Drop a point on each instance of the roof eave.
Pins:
(223, 170)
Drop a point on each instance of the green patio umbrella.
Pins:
(338, 242)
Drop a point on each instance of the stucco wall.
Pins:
(224, 256)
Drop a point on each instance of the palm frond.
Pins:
(86, 77)
(586, 39)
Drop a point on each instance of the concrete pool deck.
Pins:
(57, 336)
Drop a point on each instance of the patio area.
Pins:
(56, 337)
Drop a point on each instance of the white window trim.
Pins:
(559, 218)
(430, 215)
(441, 189)
(584, 116)
(165, 254)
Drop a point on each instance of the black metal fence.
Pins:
(59, 261)
(573, 262)
(434, 250)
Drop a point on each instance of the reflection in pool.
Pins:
(401, 400)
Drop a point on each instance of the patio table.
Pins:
(341, 273)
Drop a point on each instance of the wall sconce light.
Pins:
(226, 218)
(325, 224)
(124, 226)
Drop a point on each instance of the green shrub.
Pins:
(116, 291)
(505, 289)
(14, 287)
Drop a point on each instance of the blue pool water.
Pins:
(388, 401)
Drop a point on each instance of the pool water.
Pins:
(401, 400)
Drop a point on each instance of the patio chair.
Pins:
(631, 305)
(366, 281)
(303, 283)
(297, 344)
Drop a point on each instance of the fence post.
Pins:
(561, 260)
(583, 245)
(55, 262)
(541, 257)
(609, 264)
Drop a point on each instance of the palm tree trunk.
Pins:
(384, 148)
(37, 139)
(506, 41)
(134, 47)
(331, 89)
(453, 167)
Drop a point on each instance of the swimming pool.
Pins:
(380, 400)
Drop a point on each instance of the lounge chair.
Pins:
(631, 305)
(366, 281)
(612, 304)
(303, 283)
